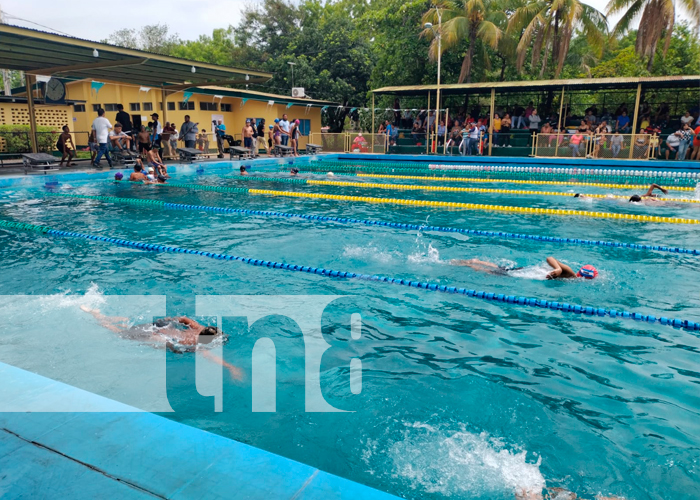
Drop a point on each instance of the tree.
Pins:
(151, 38)
(656, 23)
(464, 19)
(552, 24)
(217, 49)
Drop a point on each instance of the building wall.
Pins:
(114, 93)
(46, 116)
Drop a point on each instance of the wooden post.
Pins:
(29, 84)
(493, 104)
(427, 129)
(164, 104)
(561, 111)
(372, 126)
(634, 119)
(447, 120)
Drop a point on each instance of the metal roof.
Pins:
(255, 95)
(537, 85)
(40, 53)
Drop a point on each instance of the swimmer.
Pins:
(556, 494)
(561, 271)
(330, 174)
(243, 171)
(168, 331)
(649, 195)
(294, 171)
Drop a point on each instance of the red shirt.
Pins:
(696, 141)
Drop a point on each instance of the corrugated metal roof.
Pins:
(254, 94)
(535, 85)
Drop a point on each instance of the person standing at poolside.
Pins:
(188, 132)
(284, 129)
(101, 126)
(63, 146)
(254, 147)
(125, 119)
(144, 139)
(247, 133)
(157, 131)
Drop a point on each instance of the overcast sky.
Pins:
(95, 20)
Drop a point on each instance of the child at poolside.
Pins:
(560, 271)
(63, 146)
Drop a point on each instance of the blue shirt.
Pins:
(389, 130)
(623, 121)
(220, 129)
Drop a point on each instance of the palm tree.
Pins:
(552, 23)
(470, 20)
(656, 24)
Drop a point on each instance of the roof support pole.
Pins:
(372, 129)
(634, 119)
(427, 128)
(164, 104)
(29, 84)
(561, 110)
(447, 120)
(493, 105)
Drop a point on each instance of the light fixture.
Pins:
(194, 70)
(428, 26)
(247, 77)
(95, 53)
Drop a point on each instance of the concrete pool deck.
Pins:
(58, 441)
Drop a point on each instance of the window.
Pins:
(171, 106)
(148, 106)
(111, 107)
(96, 107)
(187, 106)
(135, 106)
(208, 106)
(79, 108)
(304, 127)
(225, 108)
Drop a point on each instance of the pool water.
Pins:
(461, 398)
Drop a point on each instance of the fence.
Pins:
(603, 146)
(350, 142)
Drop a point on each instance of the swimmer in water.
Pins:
(168, 331)
(243, 171)
(556, 494)
(560, 271)
(648, 196)
(294, 171)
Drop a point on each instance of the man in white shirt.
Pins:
(102, 126)
(284, 127)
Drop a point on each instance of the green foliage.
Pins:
(17, 138)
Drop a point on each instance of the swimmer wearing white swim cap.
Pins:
(330, 174)
(560, 270)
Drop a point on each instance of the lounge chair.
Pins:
(38, 163)
(189, 154)
(313, 149)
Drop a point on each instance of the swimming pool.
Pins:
(460, 397)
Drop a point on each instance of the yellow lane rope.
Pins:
(522, 181)
(475, 206)
(411, 187)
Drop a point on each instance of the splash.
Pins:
(430, 255)
(368, 252)
(461, 463)
(93, 298)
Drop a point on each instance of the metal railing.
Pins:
(600, 146)
(350, 142)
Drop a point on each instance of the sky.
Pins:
(96, 20)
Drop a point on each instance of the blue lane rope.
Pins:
(488, 296)
(393, 225)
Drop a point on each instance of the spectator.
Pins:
(686, 136)
(294, 135)
(173, 140)
(101, 126)
(505, 130)
(417, 132)
(157, 131)
(254, 126)
(455, 135)
(118, 138)
(623, 123)
(590, 118)
(673, 141)
(247, 134)
(518, 121)
(575, 143)
(407, 119)
(606, 116)
(92, 145)
(473, 140)
(528, 111)
(534, 120)
(277, 132)
(616, 143)
(696, 144)
(497, 123)
(284, 129)
(124, 118)
(686, 118)
(165, 139)
(188, 132)
(220, 132)
(203, 142)
(63, 146)
(441, 132)
(261, 136)
(270, 138)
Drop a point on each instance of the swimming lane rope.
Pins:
(393, 225)
(330, 273)
(432, 203)
(412, 187)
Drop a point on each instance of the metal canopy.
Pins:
(583, 84)
(40, 53)
(258, 96)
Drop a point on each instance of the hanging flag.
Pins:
(353, 110)
(144, 89)
(243, 101)
(96, 86)
(186, 96)
(290, 105)
(324, 108)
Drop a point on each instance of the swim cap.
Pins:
(589, 272)
(118, 176)
(297, 122)
(277, 120)
(330, 174)
(150, 169)
(271, 127)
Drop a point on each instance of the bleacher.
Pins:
(520, 142)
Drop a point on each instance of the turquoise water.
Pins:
(460, 398)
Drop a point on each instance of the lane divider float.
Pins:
(564, 307)
(393, 225)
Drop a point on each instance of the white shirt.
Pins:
(284, 125)
(159, 128)
(673, 140)
(101, 126)
(686, 119)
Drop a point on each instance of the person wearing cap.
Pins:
(270, 139)
(560, 270)
(118, 176)
(294, 171)
(277, 133)
(247, 133)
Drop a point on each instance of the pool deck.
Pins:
(58, 441)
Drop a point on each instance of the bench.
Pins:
(280, 150)
(239, 152)
(37, 163)
(189, 154)
(313, 149)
